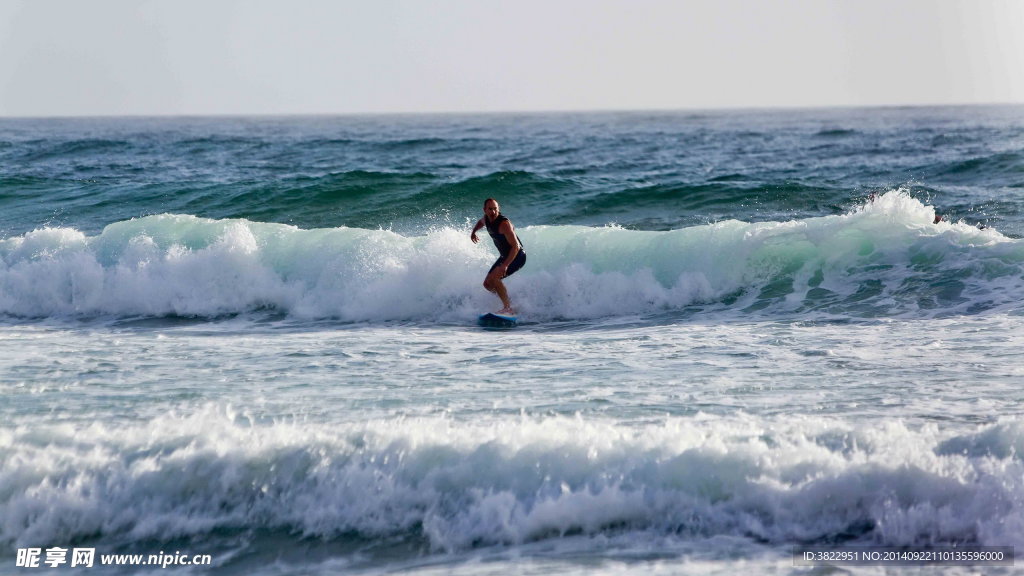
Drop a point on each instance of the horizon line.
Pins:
(513, 112)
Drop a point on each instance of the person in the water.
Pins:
(512, 256)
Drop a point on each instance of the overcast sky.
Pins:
(171, 57)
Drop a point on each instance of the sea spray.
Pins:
(885, 258)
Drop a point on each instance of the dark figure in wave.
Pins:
(512, 256)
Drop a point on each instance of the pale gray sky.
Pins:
(142, 57)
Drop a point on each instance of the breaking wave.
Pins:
(884, 259)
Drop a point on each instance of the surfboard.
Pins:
(496, 321)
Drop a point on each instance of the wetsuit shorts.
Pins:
(516, 264)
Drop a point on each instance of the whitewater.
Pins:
(887, 258)
(741, 333)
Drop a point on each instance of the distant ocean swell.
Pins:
(457, 485)
(886, 258)
(652, 173)
(408, 200)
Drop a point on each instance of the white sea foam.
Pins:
(886, 258)
(506, 480)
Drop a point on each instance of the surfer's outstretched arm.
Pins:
(472, 235)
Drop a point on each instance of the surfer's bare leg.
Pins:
(494, 284)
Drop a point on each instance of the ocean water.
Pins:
(741, 333)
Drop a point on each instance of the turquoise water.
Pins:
(254, 339)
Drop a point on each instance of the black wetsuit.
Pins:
(504, 248)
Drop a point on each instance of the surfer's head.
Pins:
(491, 208)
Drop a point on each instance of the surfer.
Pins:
(512, 256)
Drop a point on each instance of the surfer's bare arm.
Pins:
(509, 232)
(472, 235)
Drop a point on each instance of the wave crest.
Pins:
(886, 258)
